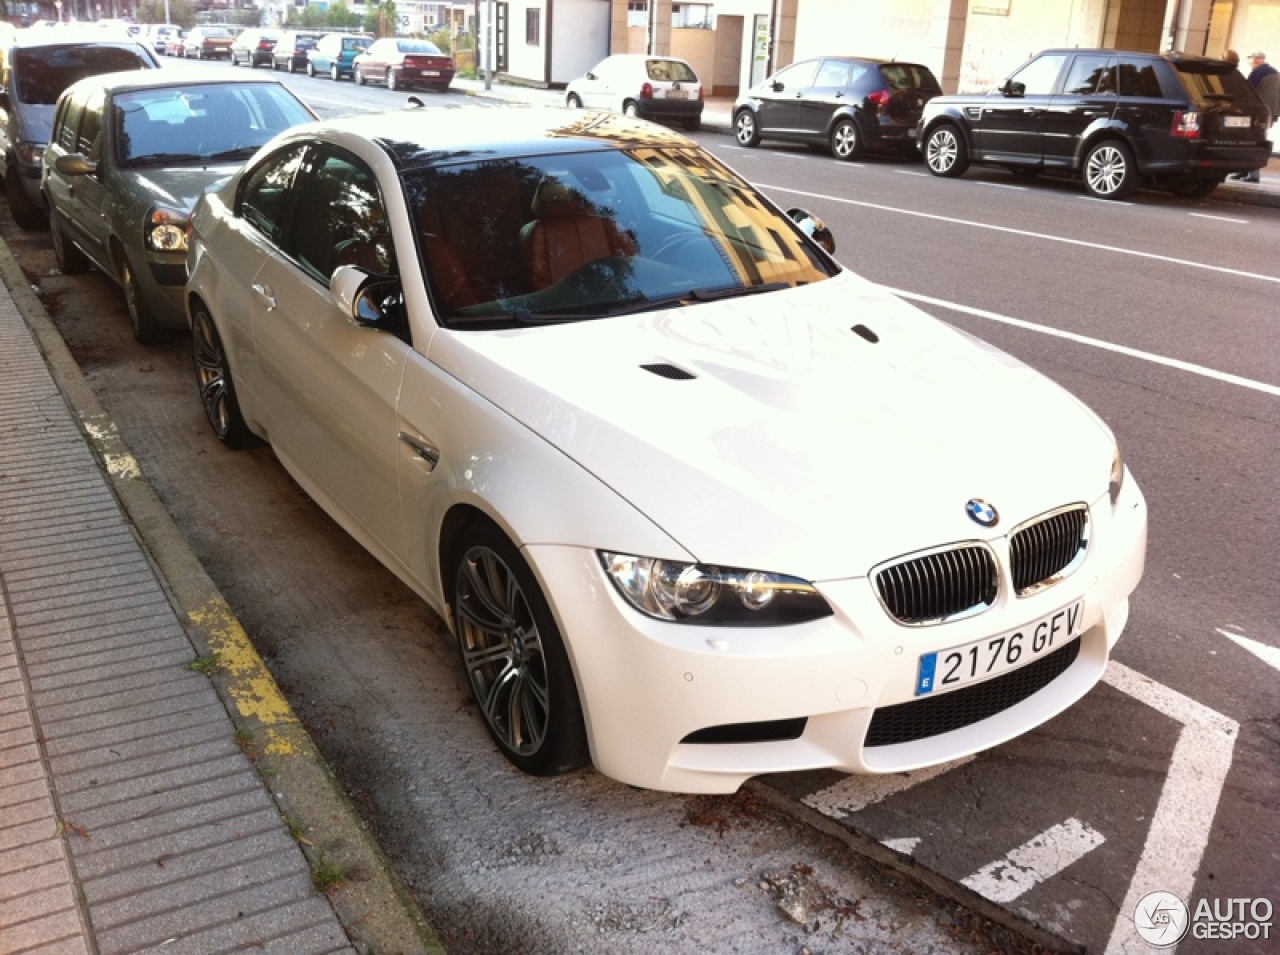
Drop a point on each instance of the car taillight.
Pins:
(263, 45)
(646, 91)
(879, 98)
(1186, 125)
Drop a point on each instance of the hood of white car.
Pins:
(767, 432)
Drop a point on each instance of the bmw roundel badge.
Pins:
(981, 512)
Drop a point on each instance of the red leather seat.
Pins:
(566, 233)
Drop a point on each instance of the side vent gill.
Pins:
(863, 332)
(663, 370)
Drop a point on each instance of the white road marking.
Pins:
(1205, 215)
(1000, 185)
(905, 846)
(1184, 815)
(854, 793)
(1033, 235)
(1265, 653)
(1094, 343)
(1115, 203)
(1032, 862)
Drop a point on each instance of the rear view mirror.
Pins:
(1014, 89)
(815, 228)
(75, 164)
(364, 297)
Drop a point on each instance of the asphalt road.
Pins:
(1159, 313)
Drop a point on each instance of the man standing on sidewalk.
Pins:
(1264, 78)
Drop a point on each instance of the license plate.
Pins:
(429, 72)
(1234, 122)
(950, 669)
(677, 94)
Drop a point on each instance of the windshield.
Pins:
(204, 122)
(41, 73)
(600, 233)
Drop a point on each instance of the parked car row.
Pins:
(1112, 118)
(396, 62)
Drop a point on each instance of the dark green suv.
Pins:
(1112, 117)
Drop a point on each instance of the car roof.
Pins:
(70, 36)
(127, 81)
(415, 137)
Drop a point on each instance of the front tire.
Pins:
(1109, 170)
(217, 388)
(146, 330)
(514, 657)
(745, 130)
(945, 153)
(334, 73)
(393, 83)
(573, 101)
(846, 141)
(311, 69)
(358, 77)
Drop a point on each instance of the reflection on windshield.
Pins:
(40, 74)
(598, 233)
(200, 123)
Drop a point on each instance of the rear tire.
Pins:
(573, 101)
(311, 69)
(745, 130)
(516, 664)
(1109, 170)
(334, 73)
(393, 83)
(629, 108)
(945, 153)
(846, 141)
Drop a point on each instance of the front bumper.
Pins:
(808, 693)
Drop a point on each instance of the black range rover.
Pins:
(1112, 117)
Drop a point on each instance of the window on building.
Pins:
(533, 26)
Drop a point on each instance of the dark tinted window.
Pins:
(68, 120)
(1089, 76)
(1208, 83)
(340, 219)
(1038, 76)
(909, 76)
(91, 125)
(42, 73)
(263, 199)
(1138, 78)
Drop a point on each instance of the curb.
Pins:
(373, 905)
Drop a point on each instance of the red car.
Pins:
(402, 63)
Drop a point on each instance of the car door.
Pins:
(780, 110)
(1087, 99)
(331, 385)
(81, 200)
(828, 92)
(594, 87)
(1009, 124)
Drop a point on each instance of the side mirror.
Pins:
(362, 296)
(815, 228)
(777, 87)
(75, 164)
(591, 76)
(1014, 89)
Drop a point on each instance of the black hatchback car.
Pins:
(1112, 117)
(851, 104)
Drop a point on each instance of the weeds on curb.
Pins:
(325, 875)
(208, 664)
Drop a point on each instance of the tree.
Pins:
(340, 17)
(181, 12)
(382, 19)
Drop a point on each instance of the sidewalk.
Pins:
(717, 117)
(134, 812)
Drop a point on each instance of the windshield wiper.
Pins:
(240, 152)
(695, 295)
(159, 159)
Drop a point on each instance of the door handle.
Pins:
(264, 295)
(419, 446)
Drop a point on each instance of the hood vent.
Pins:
(863, 332)
(664, 370)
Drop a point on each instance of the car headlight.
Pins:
(166, 231)
(30, 153)
(681, 592)
(1117, 477)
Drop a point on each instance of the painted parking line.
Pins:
(1034, 861)
(1231, 219)
(1092, 342)
(1264, 652)
(1009, 230)
(1183, 818)
(855, 793)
